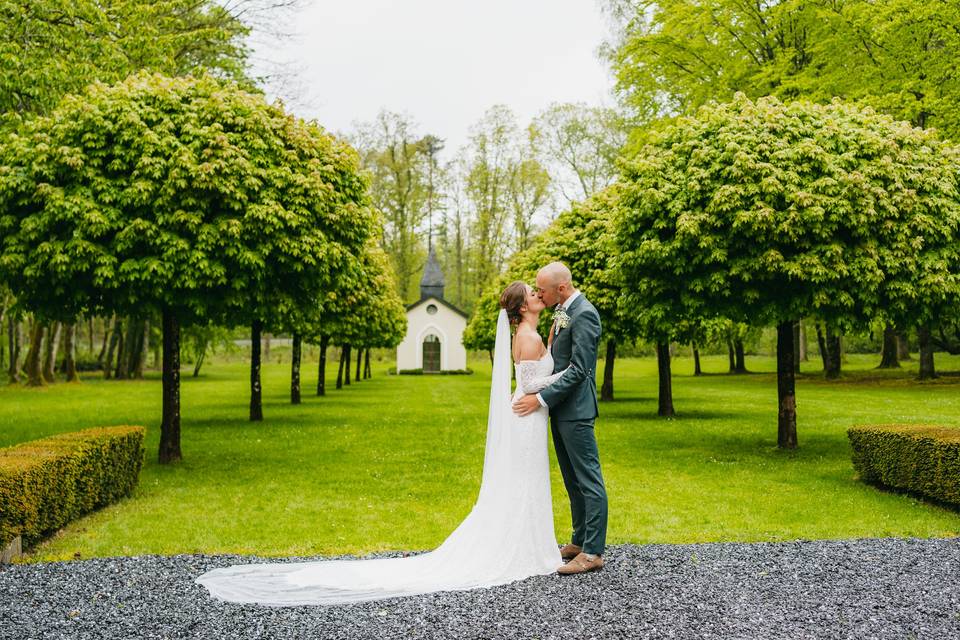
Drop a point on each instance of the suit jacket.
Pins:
(574, 395)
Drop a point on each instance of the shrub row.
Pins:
(922, 459)
(44, 484)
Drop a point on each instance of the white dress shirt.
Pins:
(564, 306)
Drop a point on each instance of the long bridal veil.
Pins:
(508, 534)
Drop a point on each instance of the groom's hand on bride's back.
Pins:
(525, 405)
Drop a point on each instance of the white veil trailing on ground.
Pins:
(500, 541)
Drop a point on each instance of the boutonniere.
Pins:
(561, 318)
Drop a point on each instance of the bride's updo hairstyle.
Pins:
(512, 298)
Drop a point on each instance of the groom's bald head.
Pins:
(554, 283)
(556, 273)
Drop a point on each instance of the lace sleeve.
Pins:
(529, 381)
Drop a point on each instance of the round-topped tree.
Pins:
(765, 212)
(187, 196)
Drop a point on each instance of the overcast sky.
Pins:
(443, 61)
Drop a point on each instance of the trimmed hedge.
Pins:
(922, 459)
(44, 484)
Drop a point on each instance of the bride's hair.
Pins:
(512, 298)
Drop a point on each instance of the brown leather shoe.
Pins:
(581, 564)
(570, 551)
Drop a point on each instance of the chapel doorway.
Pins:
(431, 354)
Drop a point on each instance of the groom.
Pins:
(572, 400)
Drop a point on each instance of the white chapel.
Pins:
(434, 328)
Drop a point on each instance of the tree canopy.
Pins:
(51, 48)
(897, 55)
(765, 212)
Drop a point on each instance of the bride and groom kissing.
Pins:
(513, 514)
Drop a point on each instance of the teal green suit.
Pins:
(572, 400)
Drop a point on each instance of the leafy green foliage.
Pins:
(51, 48)
(897, 55)
(905, 54)
(188, 194)
(403, 186)
(581, 238)
(366, 312)
(764, 212)
(580, 145)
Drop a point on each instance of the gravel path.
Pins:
(887, 588)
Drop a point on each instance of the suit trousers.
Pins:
(579, 461)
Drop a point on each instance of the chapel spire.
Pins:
(432, 282)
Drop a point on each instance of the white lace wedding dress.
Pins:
(507, 536)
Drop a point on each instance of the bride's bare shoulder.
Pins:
(527, 345)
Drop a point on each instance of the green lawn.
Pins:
(395, 462)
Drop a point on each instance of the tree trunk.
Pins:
(3, 349)
(888, 354)
(665, 407)
(133, 358)
(741, 359)
(103, 348)
(786, 388)
(732, 356)
(367, 372)
(927, 370)
(69, 360)
(120, 371)
(347, 355)
(13, 340)
(256, 402)
(803, 341)
(796, 347)
(32, 365)
(833, 354)
(822, 345)
(200, 359)
(903, 348)
(170, 421)
(50, 353)
(606, 389)
(90, 333)
(359, 363)
(295, 369)
(144, 350)
(322, 372)
(340, 369)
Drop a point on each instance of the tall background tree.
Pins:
(55, 47)
(403, 171)
(579, 145)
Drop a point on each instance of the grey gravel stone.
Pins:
(857, 589)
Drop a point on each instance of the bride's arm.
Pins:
(529, 381)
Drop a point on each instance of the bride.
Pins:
(508, 534)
